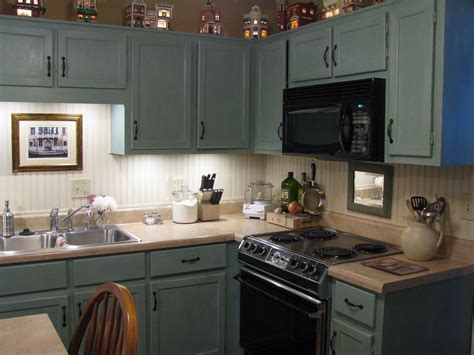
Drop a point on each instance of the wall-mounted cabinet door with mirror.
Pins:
(369, 189)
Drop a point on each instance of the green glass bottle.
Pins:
(289, 191)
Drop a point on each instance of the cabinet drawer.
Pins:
(109, 268)
(176, 261)
(32, 278)
(355, 303)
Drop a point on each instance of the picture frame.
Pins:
(370, 189)
(46, 142)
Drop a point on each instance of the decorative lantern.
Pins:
(29, 8)
(300, 14)
(135, 14)
(331, 8)
(255, 24)
(164, 14)
(210, 19)
(352, 5)
(85, 10)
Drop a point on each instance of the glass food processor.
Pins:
(258, 200)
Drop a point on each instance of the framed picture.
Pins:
(369, 188)
(46, 142)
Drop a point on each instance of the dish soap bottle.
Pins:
(289, 191)
(302, 189)
(8, 229)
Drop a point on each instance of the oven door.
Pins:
(279, 320)
(324, 130)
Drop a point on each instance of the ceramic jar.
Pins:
(420, 241)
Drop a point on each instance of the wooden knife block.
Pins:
(293, 222)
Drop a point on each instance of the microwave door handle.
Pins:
(342, 138)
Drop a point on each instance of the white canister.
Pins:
(185, 207)
(420, 241)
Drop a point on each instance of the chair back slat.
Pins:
(107, 330)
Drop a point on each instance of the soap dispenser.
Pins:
(8, 222)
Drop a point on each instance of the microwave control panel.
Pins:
(360, 129)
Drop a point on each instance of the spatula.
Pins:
(418, 203)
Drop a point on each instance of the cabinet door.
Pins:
(92, 59)
(139, 298)
(310, 56)
(409, 120)
(187, 315)
(26, 56)
(349, 340)
(270, 82)
(161, 101)
(360, 46)
(56, 307)
(223, 95)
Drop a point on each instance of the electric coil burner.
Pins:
(370, 248)
(284, 283)
(319, 234)
(335, 252)
(285, 238)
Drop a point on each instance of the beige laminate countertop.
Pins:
(383, 282)
(166, 235)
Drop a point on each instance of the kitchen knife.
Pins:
(208, 181)
(221, 192)
(214, 197)
(213, 180)
(203, 182)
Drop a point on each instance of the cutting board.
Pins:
(293, 222)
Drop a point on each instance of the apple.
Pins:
(295, 208)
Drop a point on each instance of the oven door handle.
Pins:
(285, 288)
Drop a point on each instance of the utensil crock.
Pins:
(420, 241)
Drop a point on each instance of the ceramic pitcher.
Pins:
(420, 241)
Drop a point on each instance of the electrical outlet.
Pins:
(80, 188)
(176, 183)
(468, 207)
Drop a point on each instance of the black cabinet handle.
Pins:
(79, 306)
(203, 130)
(63, 66)
(325, 56)
(350, 304)
(279, 131)
(64, 317)
(331, 343)
(136, 130)
(389, 131)
(190, 261)
(333, 55)
(49, 65)
(155, 302)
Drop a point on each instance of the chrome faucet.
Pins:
(55, 222)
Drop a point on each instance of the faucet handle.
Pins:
(70, 226)
(54, 212)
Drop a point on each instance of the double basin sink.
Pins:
(70, 240)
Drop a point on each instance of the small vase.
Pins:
(102, 220)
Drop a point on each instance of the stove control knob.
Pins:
(304, 266)
(294, 263)
(261, 251)
(247, 245)
(253, 248)
(312, 269)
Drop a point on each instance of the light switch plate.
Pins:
(80, 188)
(176, 183)
(468, 207)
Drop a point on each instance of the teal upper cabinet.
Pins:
(161, 92)
(360, 45)
(430, 112)
(26, 56)
(352, 45)
(223, 95)
(411, 79)
(92, 58)
(310, 55)
(270, 80)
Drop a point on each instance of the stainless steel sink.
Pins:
(110, 235)
(76, 239)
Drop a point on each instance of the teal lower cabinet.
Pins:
(138, 291)
(54, 304)
(434, 318)
(188, 314)
(348, 339)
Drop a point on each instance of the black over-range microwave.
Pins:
(342, 120)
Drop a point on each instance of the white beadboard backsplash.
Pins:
(134, 181)
(143, 180)
(452, 183)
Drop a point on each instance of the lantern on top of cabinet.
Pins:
(210, 19)
(164, 14)
(255, 24)
(352, 5)
(85, 10)
(135, 14)
(29, 8)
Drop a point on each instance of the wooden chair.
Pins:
(109, 323)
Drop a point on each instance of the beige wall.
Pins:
(185, 13)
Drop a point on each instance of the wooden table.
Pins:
(30, 335)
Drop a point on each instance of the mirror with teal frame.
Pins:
(370, 188)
